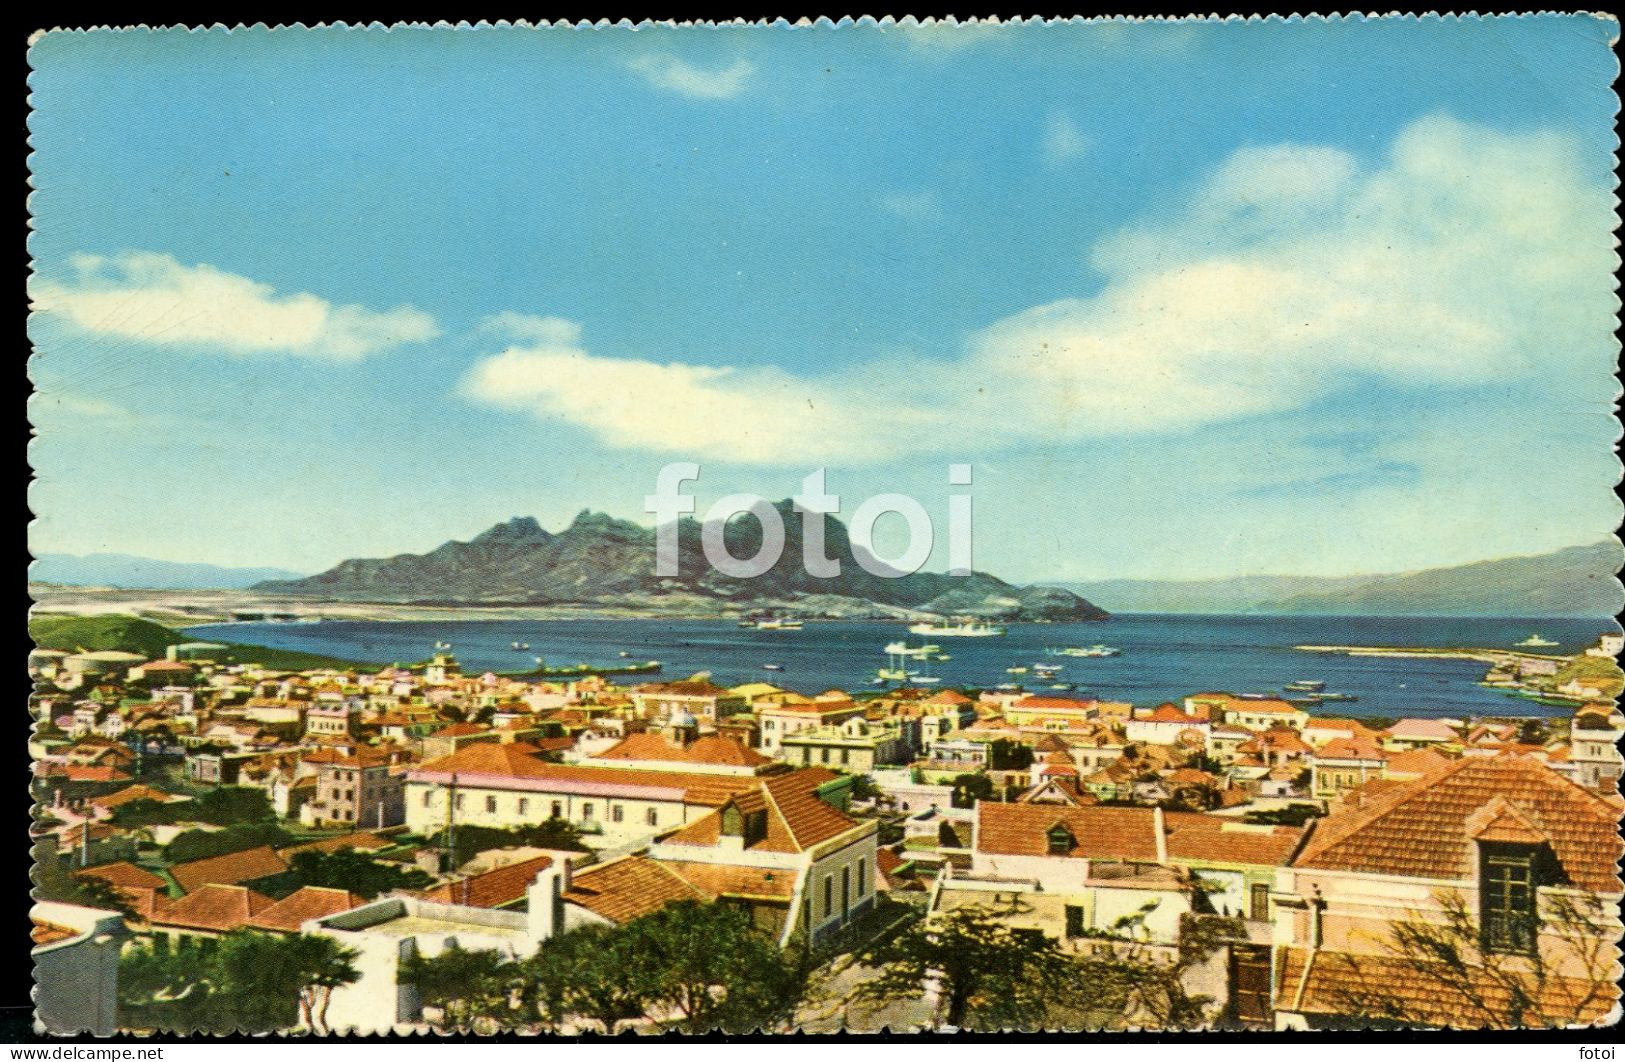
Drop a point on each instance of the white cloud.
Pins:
(524, 326)
(764, 416)
(921, 207)
(1063, 141)
(1465, 258)
(675, 75)
(152, 298)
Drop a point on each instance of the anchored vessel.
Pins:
(962, 629)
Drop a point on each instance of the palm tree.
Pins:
(321, 964)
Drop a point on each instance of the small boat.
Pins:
(1092, 651)
(442, 645)
(521, 645)
(1008, 687)
(1015, 671)
(1062, 686)
(925, 680)
(962, 629)
(1535, 641)
(891, 674)
(904, 649)
(778, 625)
(772, 667)
(1305, 686)
(539, 661)
(1344, 696)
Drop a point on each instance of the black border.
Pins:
(16, 1004)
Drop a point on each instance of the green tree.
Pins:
(145, 812)
(1007, 755)
(230, 805)
(969, 788)
(593, 973)
(201, 844)
(472, 840)
(246, 981)
(1533, 732)
(864, 788)
(346, 869)
(705, 963)
(990, 974)
(471, 989)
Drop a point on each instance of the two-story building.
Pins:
(1483, 894)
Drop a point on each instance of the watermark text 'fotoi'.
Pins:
(668, 503)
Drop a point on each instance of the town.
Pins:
(223, 844)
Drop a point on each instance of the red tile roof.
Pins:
(312, 901)
(1378, 986)
(493, 765)
(217, 907)
(1098, 832)
(130, 794)
(627, 889)
(359, 842)
(1355, 748)
(228, 869)
(494, 888)
(1222, 839)
(797, 818)
(123, 875)
(1423, 828)
(712, 750)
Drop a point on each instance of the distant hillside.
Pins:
(126, 572)
(131, 635)
(602, 560)
(1578, 581)
(95, 633)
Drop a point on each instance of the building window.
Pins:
(846, 889)
(829, 895)
(459, 802)
(846, 757)
(769, 725)
(557, 812)
(616, 811)
(1507, 898)
(428, 797)
(490, 805)
(586, 812)
(1074, 921)
(1260, 903)
(863, 876)
(1060, 840)
(524, 806)
(651, 816)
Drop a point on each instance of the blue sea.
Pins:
(1163, 657)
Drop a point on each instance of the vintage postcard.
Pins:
(916, 526)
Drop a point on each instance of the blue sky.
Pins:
(1193, 299)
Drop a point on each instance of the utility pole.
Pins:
(451, 821)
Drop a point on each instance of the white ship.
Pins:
(962, 629)
(904, 649)
(1092, 651)
(1535, 641)
(778, 625)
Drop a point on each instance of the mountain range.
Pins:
(601, 560)
(123, 571)
(1577, 581)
